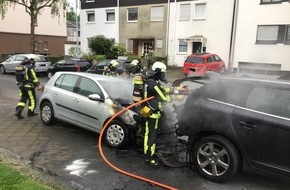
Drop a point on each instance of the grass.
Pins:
(11, 179)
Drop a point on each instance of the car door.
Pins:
(263, 129)
(218, 62)
(210, 63)
(89, 112)
(14, 61)
(64, 96)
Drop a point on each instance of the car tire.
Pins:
(223, 69)
(47, 114)
(116, 134)
(215, 158)
(2, 69)
(49, 74)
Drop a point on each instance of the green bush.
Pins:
(99, 58)
(55, 59)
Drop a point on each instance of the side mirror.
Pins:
(8, 60)
(95, 97)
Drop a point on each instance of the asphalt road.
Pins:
(72, 155)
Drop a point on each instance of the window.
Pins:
(130, 45)
(182, 46)
(270, 1)
(90, 1)
(110, 15)
(273, 34)
(271, 101)
(45, 46)
(36, 46)
(133, 14)
(68, 82)
(157, 13)
(159, 43)
(184, 12)
(199, 11)
(90, 16)
(88, 87)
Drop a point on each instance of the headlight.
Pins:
(128, 118)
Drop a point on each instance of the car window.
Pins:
(210, 59)
(87, 87)
(272, 101)
(217, 58)
(20, 58)
(102, 64)
(59, 81)
(192, 59)
(41, 59)
(69, 62)
(68, 82)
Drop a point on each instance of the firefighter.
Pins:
(111, 70)
(27, 81)
(137, 69)
(153, 109)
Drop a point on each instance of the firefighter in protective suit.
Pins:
(136, 68)
(152, 109)
(111, 70)
(27, 81)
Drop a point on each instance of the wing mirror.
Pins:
(96, 97)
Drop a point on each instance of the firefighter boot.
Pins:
(18, 112)
(31, 113)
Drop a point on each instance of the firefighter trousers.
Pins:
(27, 94)
(150, 136)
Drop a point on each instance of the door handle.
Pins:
(54, 93)
(75, 100)
(247, 125)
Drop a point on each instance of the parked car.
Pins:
(198, 64)
(89, 101)
(42, 63)
(69, 65)
(238, 123)
(123, 67)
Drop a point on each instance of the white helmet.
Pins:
(31, 56)
(134, 63)
(159, 66)
(114, 63)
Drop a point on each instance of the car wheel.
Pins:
(49, 74)
(215, 158)
(223, 69)
(47, 113)
(2, 69)
(116, 134)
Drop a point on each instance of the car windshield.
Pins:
(121, 91)
(191, 59)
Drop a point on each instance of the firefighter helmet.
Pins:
(159, 67)
(114, 64)
(134, 63)
(31, 56)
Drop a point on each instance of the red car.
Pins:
(198, 64)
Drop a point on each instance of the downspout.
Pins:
(118, 26)
(174, 33)
(233, 34)
(167, 32)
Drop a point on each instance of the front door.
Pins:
(196, 47)
(147, 48)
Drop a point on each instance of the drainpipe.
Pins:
(167, 32)
(233, 34)
(174, 33)
(77, 29)
(118, 25)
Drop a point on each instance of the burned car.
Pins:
(236, 124)
(89, 101)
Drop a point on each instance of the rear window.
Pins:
(42, 59)
(198, 60)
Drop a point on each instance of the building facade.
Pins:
(246, 34)
(50, 32)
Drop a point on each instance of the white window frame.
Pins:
(195, 17)
(157, 13)
(133, 8)
(181, 45)
(267, 34)
(90, 1)
(91, 12)
(182, 12)
(108, 11)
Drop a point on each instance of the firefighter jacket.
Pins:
(160, 93)
(30, 79)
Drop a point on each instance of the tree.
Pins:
(74, 53)
(33, 8)
(71, 15)
(101, 45)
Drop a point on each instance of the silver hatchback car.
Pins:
(42, 63)
(89, 101)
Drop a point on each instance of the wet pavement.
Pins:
(71, 157)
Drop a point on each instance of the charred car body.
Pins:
(238, 123)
